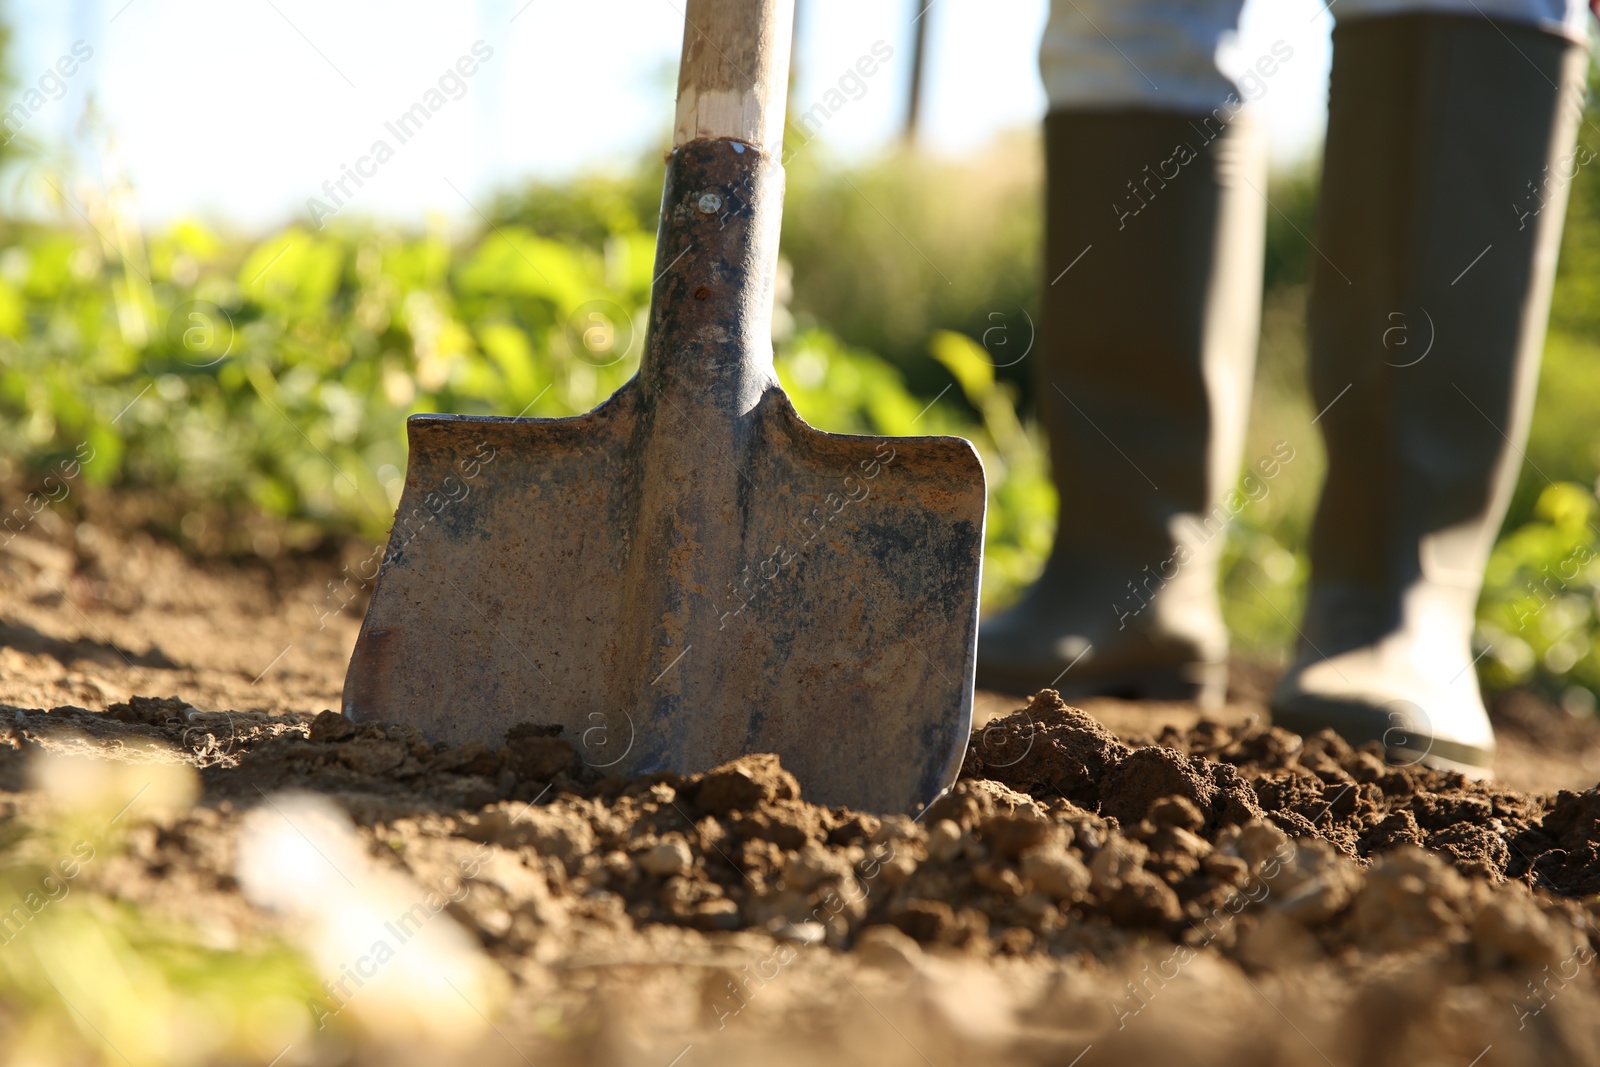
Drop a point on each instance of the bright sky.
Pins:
(241, 110)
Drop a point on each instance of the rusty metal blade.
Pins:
(690, 572)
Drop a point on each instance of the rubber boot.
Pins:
(1152, 299)
(1427, 317)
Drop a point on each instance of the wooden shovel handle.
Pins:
(734, 76)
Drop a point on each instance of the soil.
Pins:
(1106, 884)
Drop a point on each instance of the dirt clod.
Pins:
(744, 785)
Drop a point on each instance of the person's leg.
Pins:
(1437, 126)
(1152, 280)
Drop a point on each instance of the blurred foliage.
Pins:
(273, 376)
(943, 244)
(1537, 619)
(278, 375)
(87, 978)
(587, 211)
(1290, 220)
(1022, 499)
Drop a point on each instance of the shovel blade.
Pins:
(798, 592)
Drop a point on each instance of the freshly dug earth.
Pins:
(1116, 885)
(1221, 896)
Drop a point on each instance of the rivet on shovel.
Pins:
(690, 573)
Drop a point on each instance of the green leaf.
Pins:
(1567, 505)
(967, 361)
(511, 352)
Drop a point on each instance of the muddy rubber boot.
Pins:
(1152, 299)
(1426, 317)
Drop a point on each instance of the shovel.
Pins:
(690, 573)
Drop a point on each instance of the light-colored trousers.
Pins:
(1161, 54)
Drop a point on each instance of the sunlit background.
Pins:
(239, 111)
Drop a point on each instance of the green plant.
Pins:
(1537, 621)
